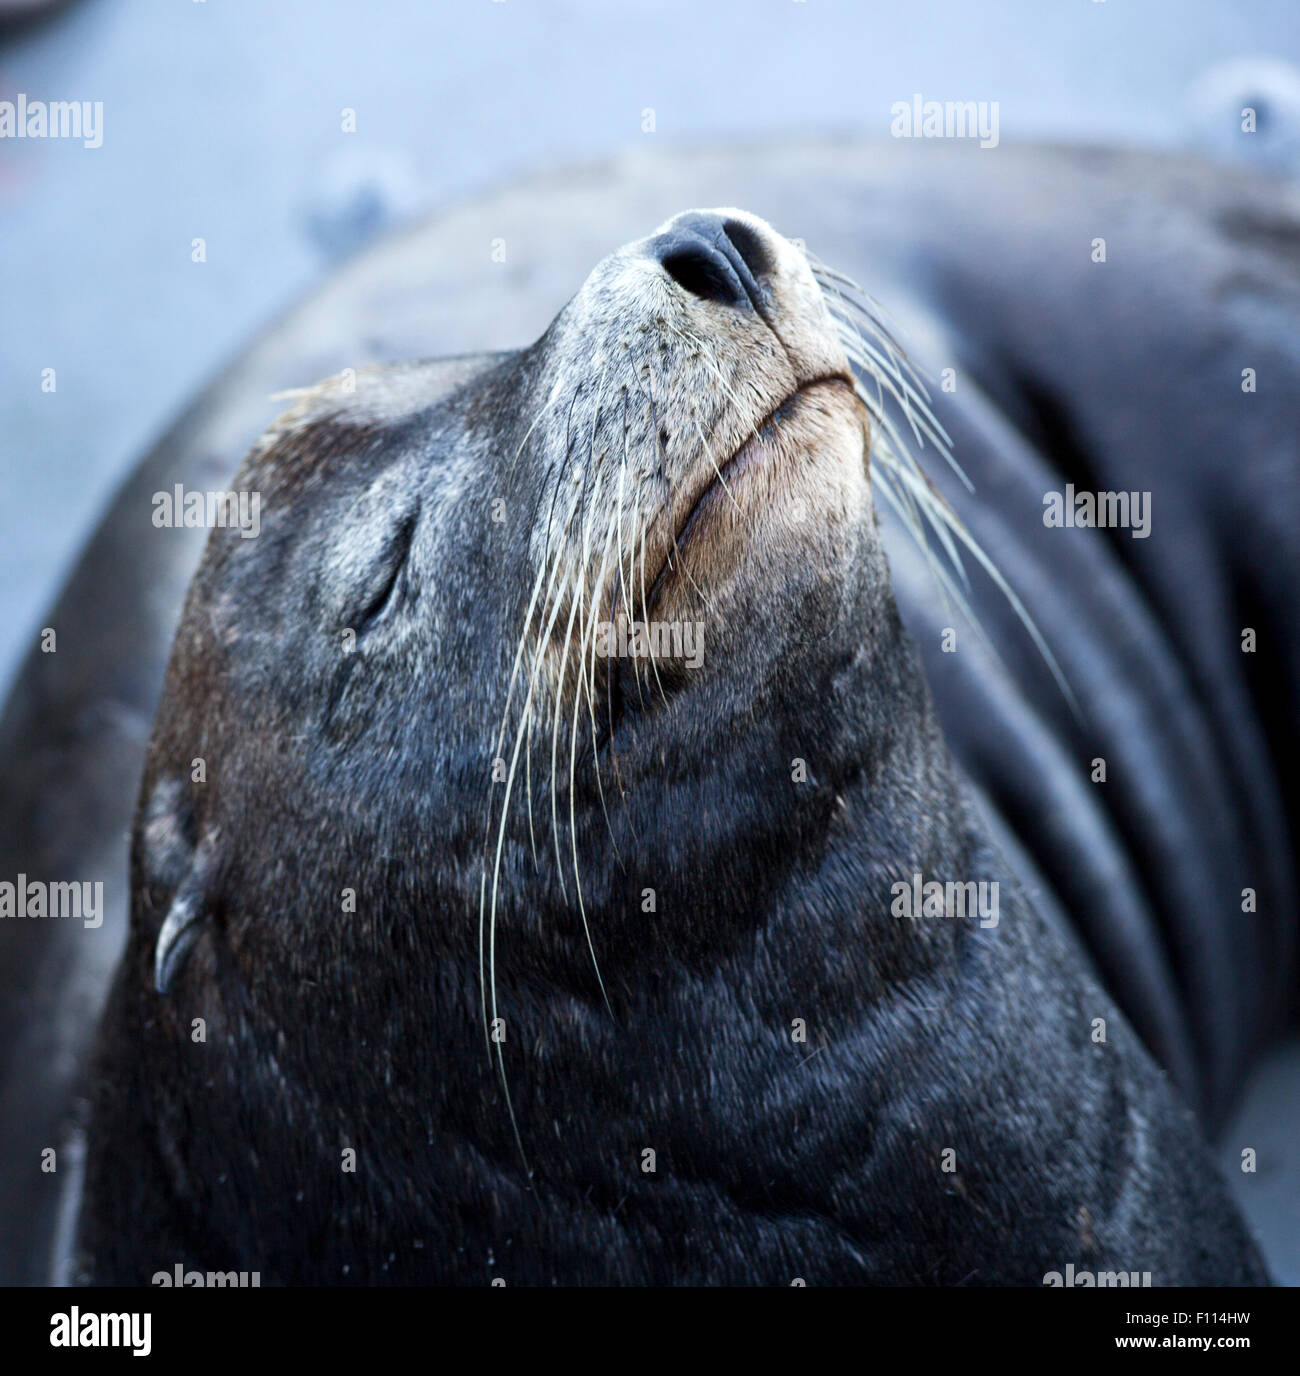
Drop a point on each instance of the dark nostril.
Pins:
(714, 259)
(753, 252)
(703, 271)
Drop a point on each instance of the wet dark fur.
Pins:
(775, 1160)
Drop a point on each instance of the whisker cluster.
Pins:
(591, 571)
(888, 385)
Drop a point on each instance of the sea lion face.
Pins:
(420, 700)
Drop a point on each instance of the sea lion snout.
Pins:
(733, 258)
(716, 257)
(679, 401)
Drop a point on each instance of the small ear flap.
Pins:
(191, 869)
(180, 930)
(173, 858)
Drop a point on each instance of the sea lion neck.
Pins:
(717, 826)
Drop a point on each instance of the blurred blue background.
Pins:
(223, 121)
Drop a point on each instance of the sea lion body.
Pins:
(772, 1158)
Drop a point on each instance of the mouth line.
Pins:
(734, 467)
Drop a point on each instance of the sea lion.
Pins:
(1053, 379)
(460, 950)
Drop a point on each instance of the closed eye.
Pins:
(386, 580)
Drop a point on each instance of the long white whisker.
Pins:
(875, 355)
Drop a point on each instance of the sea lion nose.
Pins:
(716, 259)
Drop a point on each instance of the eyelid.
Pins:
(389, 571)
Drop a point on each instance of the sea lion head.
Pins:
(541, 663)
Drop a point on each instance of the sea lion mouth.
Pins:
(721, 483)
